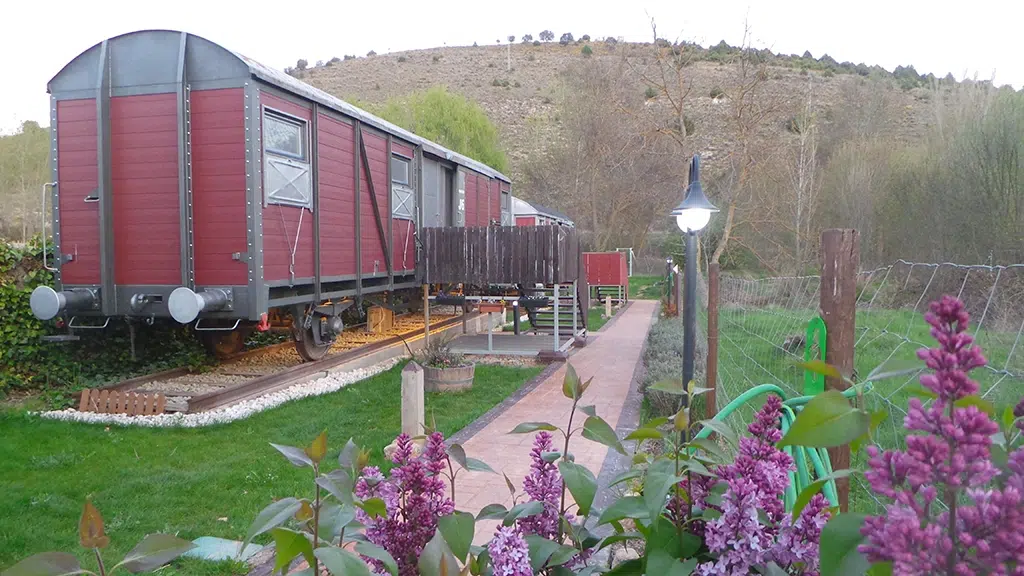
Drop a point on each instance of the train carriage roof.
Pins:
(81, 77)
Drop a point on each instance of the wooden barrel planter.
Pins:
(448, 379)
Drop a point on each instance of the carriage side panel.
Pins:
(144, 175)
(79, 178)
(218, 186)
(287, 230)
(471, 199)
(370, 245)
(337, 202)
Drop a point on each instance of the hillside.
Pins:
(523, 102)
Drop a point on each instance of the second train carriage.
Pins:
(191, 182)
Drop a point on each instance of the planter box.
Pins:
(448, 379)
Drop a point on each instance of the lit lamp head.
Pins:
(694, 212)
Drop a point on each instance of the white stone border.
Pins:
(331, 383)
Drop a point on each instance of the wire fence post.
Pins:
(840, 261)
(711, 406)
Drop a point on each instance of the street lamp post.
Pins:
(692, 215)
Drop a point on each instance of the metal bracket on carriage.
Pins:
(326, 331)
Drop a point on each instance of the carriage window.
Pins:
(287, 178)
(403, 203)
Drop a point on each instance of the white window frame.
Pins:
(295, 169)
(403, 195)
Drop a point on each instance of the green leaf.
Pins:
(596, 429)
(154, 551)
(813, 488)
(492, 512)
(978, 402)
(633, 567)
(341, 562)
(660, 480)
(838, 545)
(540, 550)
(669, 386)
(619, 537)
(827, 420)
(819, 367)
(877, 417)
(1008, 418)
(571, 383)
(527, 427)
(296, 456)
(318, 449)
(374, 507)
(645, 434)
(581, 484)
(347, 456)
(522, 511)
(47, 564)
(723, 430)
(709, 446)
(625, 476)
(511, 487)
(378, 553)
(773, 569)
(437, 559)
(457, 529)
(334, 517)
(894, 367)
(880, 569)
(589, 410)
(920, 392)
(626, 507)
(458, 453)
(271, 517)
(474, 465)
(551, 456)
(562, 555)
(655, 422)
(339, 484)
(290, 544)
(661, 563)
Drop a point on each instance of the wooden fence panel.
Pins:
(502, 255)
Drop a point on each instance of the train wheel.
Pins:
(223, 344)
(305, 345)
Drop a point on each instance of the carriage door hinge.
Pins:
(241, 256)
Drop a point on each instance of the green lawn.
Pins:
(646, 287)
(596, 319)
(750, 354)
(197, 482)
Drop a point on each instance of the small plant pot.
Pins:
(448, 379)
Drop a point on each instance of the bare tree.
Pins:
(804, 173)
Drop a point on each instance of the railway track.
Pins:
(271, 368)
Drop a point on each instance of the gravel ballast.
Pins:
(325, 385)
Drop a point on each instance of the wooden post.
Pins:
(608, 307)
(557, 298)
(412, 399)
(426, 314)
(678, 292)
(840, 260)
(711, 406)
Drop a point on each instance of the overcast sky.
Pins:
(983, 37)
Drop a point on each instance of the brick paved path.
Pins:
(610, 357)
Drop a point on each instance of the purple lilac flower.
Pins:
(951, 460)
(737, 537)
(797, 541)
(543, 484)
(510, 555)
(414, 496)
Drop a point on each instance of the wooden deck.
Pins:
(508, 344)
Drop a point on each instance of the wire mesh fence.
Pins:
(763, 336)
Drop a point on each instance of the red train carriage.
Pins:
(191, 182)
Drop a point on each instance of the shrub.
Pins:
(536, 42)
(527, 38)
(530, 57)
(663, 359)
(319, 63)
(511, 39)
(435, 58)
(500, 82)
(547, 35)
(828, 73)
(716, 92)
(402, 58)
(439, 354)
(585, 38)
(586, 51)
(350, 57)
(650, 92)
(566, 39)
(301, 64)
(371, 53)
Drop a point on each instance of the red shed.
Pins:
(607, 274)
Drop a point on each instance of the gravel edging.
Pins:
(318, 387)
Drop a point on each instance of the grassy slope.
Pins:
(749, 356)
(196, 482)
(645, 287)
